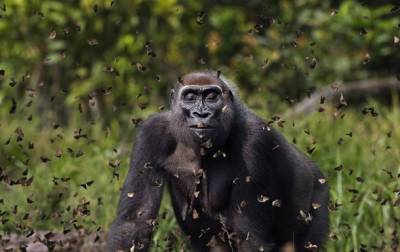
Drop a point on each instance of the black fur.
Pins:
(253, 190)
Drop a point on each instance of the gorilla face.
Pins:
(201, 108)
(202, 111)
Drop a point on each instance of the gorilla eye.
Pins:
(189, 97)
(212, 96)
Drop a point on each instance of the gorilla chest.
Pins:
(197, 183)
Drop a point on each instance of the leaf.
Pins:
(140, 67)
(200, 17)
(338, 168)
(367, 58)
(306, 217)
(396, 40)
(52, 35)
(44, 159)
(12, 83)
(114, 163)
(311, 247)
(149, 50)
(276, 203)
(147, 165)
(363, 32)
(13, 106)
(262, 198)
(315, 206)
(313, 63)
(342, 100)
(310, 149)
(19, 134)
(92, 42)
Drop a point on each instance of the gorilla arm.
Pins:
(304, 197)
(140, 195)
(273, 160)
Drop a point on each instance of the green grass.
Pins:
(369, 161)
(363, 162)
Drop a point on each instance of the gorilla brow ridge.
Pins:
(208, 77)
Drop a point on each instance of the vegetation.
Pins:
(76, 77)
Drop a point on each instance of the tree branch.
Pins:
(352, 92)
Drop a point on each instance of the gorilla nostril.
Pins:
(195, 114)
(201, 114)
(205, 114)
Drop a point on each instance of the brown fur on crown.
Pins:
(201, 78)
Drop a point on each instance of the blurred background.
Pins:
(77, 77)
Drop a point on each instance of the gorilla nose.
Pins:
(203, 114)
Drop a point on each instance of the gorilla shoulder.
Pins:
(156, 123)
(154, 136)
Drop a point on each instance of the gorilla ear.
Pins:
(171, 95)
(229, 93)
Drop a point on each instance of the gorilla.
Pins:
(236, 184)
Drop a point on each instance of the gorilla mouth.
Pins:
(201, 126)
(202, 129)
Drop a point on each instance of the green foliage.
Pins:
(360, 155)
(75, 50)
(96, 67)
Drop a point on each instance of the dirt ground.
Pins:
(48, 241)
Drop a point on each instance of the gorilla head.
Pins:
(204, 105)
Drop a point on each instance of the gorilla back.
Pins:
(236, 183)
